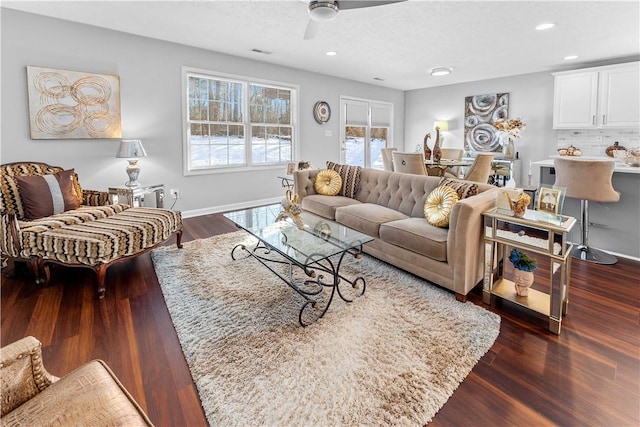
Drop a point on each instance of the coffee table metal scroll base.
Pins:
(316, 285)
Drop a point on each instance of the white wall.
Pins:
(151, 100)
(530, 97)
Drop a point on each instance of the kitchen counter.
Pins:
(614, 227)
(620, 167)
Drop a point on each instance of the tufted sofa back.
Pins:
(401, 192)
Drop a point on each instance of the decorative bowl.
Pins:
(620, 154)
(632, 161)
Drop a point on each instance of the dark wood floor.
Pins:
(587, 376)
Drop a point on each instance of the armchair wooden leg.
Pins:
(41, 271)
(179, 239)
(101, 272)
(460, 297)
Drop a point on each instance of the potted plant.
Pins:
(523, 273)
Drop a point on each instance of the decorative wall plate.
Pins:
(321, 112)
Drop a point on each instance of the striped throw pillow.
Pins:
(463, 188)
(350, 178)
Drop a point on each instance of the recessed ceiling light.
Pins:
(331, 53)
(440, 71)
(545, 26)
(570, 57)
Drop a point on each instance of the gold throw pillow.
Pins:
(328, 183)
(438, 206)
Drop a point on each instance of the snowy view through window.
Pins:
(220, 126)
(355, 146)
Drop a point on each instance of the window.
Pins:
(367, 130)
(233, 122)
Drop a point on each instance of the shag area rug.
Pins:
(393, 356)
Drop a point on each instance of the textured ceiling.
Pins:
(397, 43)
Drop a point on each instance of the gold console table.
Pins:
(530, 234)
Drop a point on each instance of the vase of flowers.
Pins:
(523, 273)
(508, 131)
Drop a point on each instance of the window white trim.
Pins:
(246, 82)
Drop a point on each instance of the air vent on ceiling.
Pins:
(264, 52)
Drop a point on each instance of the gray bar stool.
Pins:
(587, 180)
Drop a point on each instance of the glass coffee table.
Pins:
(308, 259)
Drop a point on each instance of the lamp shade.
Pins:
(131, 148)
(443, 125)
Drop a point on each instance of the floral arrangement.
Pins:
(510, 128)
(521, 261)
(519, 205)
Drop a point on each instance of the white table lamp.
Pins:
(131, 149)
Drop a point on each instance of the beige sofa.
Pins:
(389, 206)
(89, 396)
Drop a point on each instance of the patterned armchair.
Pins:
(90, 395)
(46, 217)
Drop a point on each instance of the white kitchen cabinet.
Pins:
(593, 98)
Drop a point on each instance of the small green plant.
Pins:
(521, 261)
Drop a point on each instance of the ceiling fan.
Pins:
(327, 10)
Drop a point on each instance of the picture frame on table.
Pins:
(550, 199)
(291, 167)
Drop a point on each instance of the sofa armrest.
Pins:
(23, 374)
(10, 243)
(95, 198)
(303, 182)
(465, 238)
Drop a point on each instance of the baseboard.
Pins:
(227, 208)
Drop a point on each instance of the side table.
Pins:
(286, 182)
(502, 232)
(136, 196)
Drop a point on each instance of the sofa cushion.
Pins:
(463, 188)
(44, 195)
(416, 235)
(103, 240)
(367, 217)
(328, 182)
(350, 178)
(438, 206)
(326, 206)
(89, 396)
(76, 216)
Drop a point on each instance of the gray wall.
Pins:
(151, 100)
(530, 97)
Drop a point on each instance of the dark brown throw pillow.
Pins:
(44, 195)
